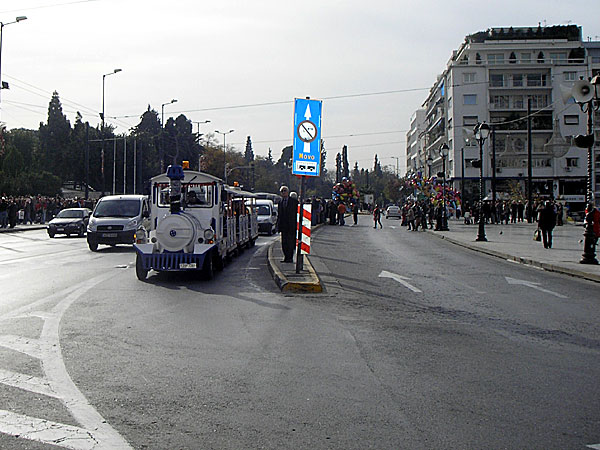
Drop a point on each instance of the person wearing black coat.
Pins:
(287, 223)
(546, 223)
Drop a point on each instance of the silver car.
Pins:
(393, 211)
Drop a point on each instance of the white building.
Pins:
(491, 78)
(415, 153)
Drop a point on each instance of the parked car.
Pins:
(70, 221)
(393, 211)
(267, 216)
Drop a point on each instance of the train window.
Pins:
(198, 195)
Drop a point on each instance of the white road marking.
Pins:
(400, 279)
(47, 432)
(26, 382)
(96, 432)
(533, 285)
(594, 446)
(393, 227)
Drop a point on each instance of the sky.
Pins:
(240, 64)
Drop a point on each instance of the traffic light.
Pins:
(476, 163)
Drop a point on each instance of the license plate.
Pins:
(60, 229)
(109, 234)
(187, 265)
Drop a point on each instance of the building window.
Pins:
(540, 58)
(539, 101)
(497, 80)
(450, 123)
(499, 101)
(470, 99)
(477, 58)
(512, 59)
(469, 77)
(571, 119)
(495, 58)
(470, 121)
(464, 61)
(449, 102)
(536, 79)
(572, 162)
(525, 58)
(570, 76)
(517, 79)
(518, 102)
(558, 57)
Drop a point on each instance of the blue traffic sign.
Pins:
(306, 157)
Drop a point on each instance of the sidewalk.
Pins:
(515, 242)
(285, 275)
(17, 228)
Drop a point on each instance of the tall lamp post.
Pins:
(482, 131)
(162, 140)
(199, 151)
(2, 25)
(444, 150)
(429, 164)
(587, 97)
(224, 152)
(102, 127)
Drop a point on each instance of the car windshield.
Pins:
(70, 214)
(264, 210)
(117, 208)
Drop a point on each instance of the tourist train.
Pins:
(197, 223)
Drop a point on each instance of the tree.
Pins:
(249, 154)
(55, 137)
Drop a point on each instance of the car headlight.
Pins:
(132, 225)
(208, 234)
(92, 225)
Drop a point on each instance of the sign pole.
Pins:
(299, 256)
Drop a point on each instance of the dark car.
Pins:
(70, 221)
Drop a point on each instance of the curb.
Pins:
(285, 285)
(18, 229)
(526, 261)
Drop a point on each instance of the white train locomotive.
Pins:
(197, 223)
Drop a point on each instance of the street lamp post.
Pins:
(2, 25)
(482, 131)
(429, 164)
(199, 152)
(162, 139)
(102, 127)
(444, 151)
(587, 97)
(224, 152)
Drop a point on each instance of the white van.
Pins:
(266, 216)
(116, 218)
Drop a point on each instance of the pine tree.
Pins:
(249, 153)
(55, 137)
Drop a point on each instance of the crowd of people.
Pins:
(35, 209)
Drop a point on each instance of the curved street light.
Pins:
(2, 25)
(224, 153)
(162, 123)
(103, 132)
(482, 131)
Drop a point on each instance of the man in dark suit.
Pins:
(287, 223)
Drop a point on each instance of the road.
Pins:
(415, 344)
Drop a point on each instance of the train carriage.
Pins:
(196, 223)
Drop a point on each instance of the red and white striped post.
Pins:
(305, 223)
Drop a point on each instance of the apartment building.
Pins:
(493, 77)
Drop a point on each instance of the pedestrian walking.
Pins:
(546, 223)
(377, 216)
(287, 223)
(593, 215)
(341, 211)
(355, 213)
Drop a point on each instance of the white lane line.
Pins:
(533, 285)
(400, 279)
(31, 347)
(52, 433)
(26, 382)
(96, 432)
(594, 446)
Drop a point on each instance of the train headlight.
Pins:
(208, 234)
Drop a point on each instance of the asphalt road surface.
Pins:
(415, 344)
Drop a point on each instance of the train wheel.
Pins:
(140, 272)
(208, 268)
(252, 242)
(218, 261)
